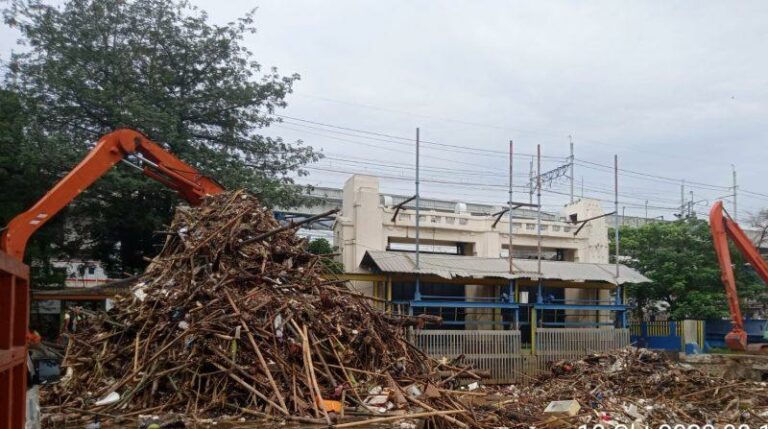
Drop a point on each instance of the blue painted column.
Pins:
(416, 294)
(417, 290)
(539, 300)
(512, 298)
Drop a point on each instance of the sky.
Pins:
(677, 90)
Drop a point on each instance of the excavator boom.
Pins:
(723, 227)
(110, 149)
(14, 275)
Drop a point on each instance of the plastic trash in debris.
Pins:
(332, 406)
(376, 390)
(413, 391)
(183, 325)
(138, 291)
(278, 324)
(473, 386)
(67, 376)
(109, 399)
(567, 408)
(632, 411)
(377, 400)
(616, 367)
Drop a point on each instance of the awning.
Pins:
(472, 267)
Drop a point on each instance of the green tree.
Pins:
(321, 246)
(680, 260)
(160, 66)
(26, 171)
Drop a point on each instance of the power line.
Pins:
(671, 180)
(407, 139)
(480, 151)
(482, 125)
(470, 172)
(481, 186)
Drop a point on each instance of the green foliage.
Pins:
(159, 66)
(27, 170)
(321, 246)
(680, 260)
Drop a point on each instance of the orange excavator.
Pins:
(723, 227)
(112, 148)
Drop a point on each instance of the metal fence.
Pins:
(668, 334)
(579, 341)
(501, 352)
(450, 343)
(498, 352)
(661, 328)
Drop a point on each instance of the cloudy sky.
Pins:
(678, 90)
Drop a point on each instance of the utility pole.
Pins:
(646, 211)
(538, 209)
(418, 202)
(570, 138)
(616, 208)
(690, 205)
(530, 183)
(682, 199)
(619, 289)
(509, 207)
(417, 293)
(735, 192)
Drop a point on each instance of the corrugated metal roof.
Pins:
(453, 266)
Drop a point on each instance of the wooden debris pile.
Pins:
(233, 318)
(637, 386)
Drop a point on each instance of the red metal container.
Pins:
(14, 317)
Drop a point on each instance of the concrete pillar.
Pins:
(360, 224)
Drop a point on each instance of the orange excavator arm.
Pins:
(110, 149)
(723, 227)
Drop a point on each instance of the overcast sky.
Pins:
(676, 89)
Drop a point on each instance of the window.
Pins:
(435, 219)
(404, 217)
(544, 228)
(530, 226)
(566, 229)
(450, 220)
(555, 227)
(462, 221)
(91, 270)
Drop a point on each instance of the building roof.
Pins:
(95, 293)
(457, 266)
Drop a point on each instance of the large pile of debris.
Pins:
(635, 386)
(234, 319)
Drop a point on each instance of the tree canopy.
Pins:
(680, 260)
(321, 246)
(88, 67)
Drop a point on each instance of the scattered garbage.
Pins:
(107, 400)
(563, 408)
(633, 386)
